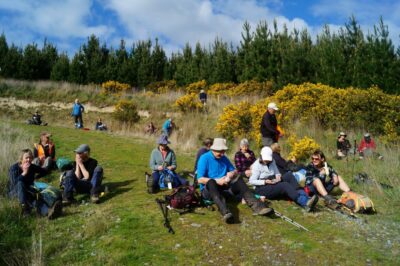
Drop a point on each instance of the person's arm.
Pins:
(153, 161)
(173, 165)
(255, 175)
(53, 152)
(202, 171)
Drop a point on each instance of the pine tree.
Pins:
(78, 70)
(158, 61)
(60, 70)
(13, 62)
(3, 54)
(31, 62)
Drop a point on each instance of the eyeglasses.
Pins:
(315, 158)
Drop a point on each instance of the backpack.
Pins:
(357, 203)
(64, 164)
(183, 197)
(47, 197)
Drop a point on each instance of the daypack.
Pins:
(64, 164)
(168, 179)
(183, 197)
(47, 197)
(357, 203)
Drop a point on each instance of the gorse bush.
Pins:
(195, 87)
(302, 149)
(163, 86)
(126, 111)
(235, 120)
(188, 103)
(114, 87)
(251, 87)
(331, 108)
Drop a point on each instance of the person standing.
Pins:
(203, 97)
(269, 125)
(167, 127)
(77, 111)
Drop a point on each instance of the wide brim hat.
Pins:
(219, 144)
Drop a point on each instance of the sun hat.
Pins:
(342, 134)
(273, 106)
(47, 134)
(219, 144)
(163, 140)
(266, 154)
(367, 135)
(83, 148)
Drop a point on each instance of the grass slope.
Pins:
(127, 227)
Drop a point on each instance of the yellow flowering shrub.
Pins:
(126, 111)
(188, 103)
(235, 120)
(114, 87)
(221, 88)
(195, 87)
(391, 134)
(164, 86)
(250, 87)
(302, 149)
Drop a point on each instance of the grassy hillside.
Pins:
(127, 227)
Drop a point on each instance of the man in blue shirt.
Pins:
(217, 178)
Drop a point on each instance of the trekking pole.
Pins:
(287, 219)
(165, 214)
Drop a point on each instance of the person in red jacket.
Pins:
(367, 147)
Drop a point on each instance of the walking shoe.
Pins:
(261, 209)
(94, 199)
(330, 202)
(228, 218)
(68, 201)
(25, 210)
(55, 211)
(311, 203)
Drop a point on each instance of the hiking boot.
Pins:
(330, 202)
(25, 210)
(262, 210)
(311, 203)
(55, 211)
(256, 205)
(94, 199)
(68, 201)
(228, 218)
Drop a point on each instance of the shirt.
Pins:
(260, 172)
(242, 163)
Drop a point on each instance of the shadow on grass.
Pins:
(113, 189)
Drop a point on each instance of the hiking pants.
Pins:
(92, 186)
(78, 121)
(267, 141)
(24, 193)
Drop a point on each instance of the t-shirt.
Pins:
(90, 165)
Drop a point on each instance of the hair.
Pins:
(244, 142)
(21, 156)
(274, 147)
(319, 153)
(208, 142)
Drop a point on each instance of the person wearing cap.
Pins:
(21, 176)
(244, 158)
(270, 183)
(167, 127)
(85, 177)
(77, 111)
(269, 126)
(343, 145)
(207, 144)
(203, 97)
(321, 178)
(36, 118)
(162, 158)
(44, 152)
(218, 178)
(367, 147)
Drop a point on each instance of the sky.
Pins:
(68, 23)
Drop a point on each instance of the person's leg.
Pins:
(291, 179)
(69, 183)
(156, 180)
(212, 192)
(48, 163)
(76, 120)
(36, 161)
(319, 187)
(343, 185)
(96, 181)
(267, 141)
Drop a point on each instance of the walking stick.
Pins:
(287, 219)
(165, 214)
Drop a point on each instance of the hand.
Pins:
(221, 181)
(278, 178)
(170, 167)
(160, 168)
(229, 175)
(25, 168)
(247, 154)
(78, 159)
(293, 159)
(247, 173)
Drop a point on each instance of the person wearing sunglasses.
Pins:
(270, 183)
(321, 178)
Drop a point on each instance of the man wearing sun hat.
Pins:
(217, 178)
(86, 176)
(269, 125)
(343, 145)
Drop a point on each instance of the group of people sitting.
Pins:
(84, 177)
(367, 147)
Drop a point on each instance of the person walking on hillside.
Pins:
(203, 97)
(218, 178)
(167, 127)
(77, 111)
(85, 177)
(44, 152)
(269, 126)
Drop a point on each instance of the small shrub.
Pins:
(188, 103)
(195, 87)
(302, 149)
(126, 111)
(235, 120)
(114, 87)
(162, 86)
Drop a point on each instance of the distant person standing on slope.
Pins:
(77, 111)
(269, 126)
(167, 127)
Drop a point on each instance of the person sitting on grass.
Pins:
(270, 183)
(100, 125)
(283, 165)
(244, 158)
(21, 177)
(150, 129)
(367, 147)
(321, 178)
(44, 152)
(343, 146)
(163, 158)
(207, 144)
(36, 118)
(218, 178)
(85, 177)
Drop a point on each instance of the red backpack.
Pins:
(183, 197)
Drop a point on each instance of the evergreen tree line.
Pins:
(344, 58)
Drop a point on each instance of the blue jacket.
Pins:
(77, 109)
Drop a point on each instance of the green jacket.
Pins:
(156, 159)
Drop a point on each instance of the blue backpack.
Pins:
(168, 177)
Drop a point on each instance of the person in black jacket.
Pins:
(269, 124)
(283, 165)
(343, 146)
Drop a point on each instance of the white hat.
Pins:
(266, 154)
(273, 106)
(219, 144)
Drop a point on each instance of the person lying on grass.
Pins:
(218, 178)
(85, 177)
(321, 178)
(270, 183)
(21, 177)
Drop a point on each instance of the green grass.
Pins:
(127, 226)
